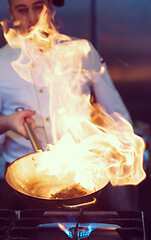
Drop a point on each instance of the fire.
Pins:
(81, 231)
(88, 145)
(63, 228)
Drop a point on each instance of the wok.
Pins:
(35, 187)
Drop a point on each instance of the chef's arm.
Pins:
(107, 96)
(15, 122)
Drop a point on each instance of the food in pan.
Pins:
(73, 191)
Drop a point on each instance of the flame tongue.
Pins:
(89, 145)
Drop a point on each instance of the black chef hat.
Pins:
(58, 3)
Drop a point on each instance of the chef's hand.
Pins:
(15, 122)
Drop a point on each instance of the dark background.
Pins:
(121, 32)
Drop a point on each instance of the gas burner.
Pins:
(78, 232)
(83, 230)
(42, 225)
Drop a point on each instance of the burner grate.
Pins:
(40, 224)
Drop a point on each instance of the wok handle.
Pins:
(31, 134)
(32, 137)
(80, 205)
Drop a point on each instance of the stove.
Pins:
(39, 224)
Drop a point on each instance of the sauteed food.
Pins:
(72, 192)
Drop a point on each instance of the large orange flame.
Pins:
(88, 145)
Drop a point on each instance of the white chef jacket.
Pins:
(16, 92)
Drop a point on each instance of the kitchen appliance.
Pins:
(34, 187)
(82, 224)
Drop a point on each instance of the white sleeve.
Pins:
(104, 90)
